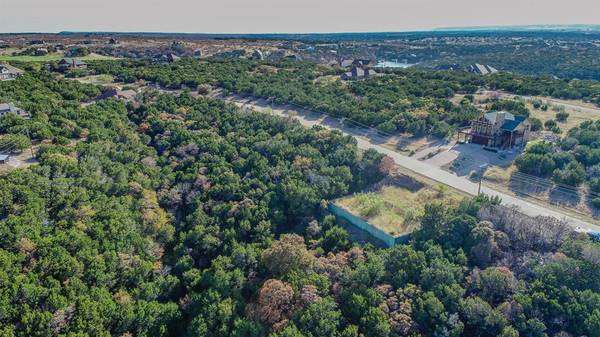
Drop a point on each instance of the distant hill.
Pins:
(527, 28)
(347, 36)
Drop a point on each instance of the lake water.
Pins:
(393, 64)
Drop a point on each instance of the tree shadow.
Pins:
(524, 187)
(565, 197)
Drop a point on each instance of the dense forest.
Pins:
(569, 57)
(182, 216)
(414, 101)
(566, 54)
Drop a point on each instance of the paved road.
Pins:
(369, 140)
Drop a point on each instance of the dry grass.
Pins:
(396, 205)
(576, 116)
(500, 174)
(103, 79)
(327, 79)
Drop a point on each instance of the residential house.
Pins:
(41, 52)
(126, 95)
(481, 69)
(355, 62)
(6, 108)
(498, 129)
(8, 72)
(4, 158)
(69, 63)
(358, 73)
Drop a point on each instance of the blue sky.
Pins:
(260, 16)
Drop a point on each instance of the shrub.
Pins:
(562, 116)
(370, 204)
(387, 127)
(442, 129)
(536, 124)
(549, 124)
(539, 147)
(594, 184)
(556, 129)
(204, 89)
(573, 174)
(536, 164)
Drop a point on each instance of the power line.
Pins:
(547, 183)
(553, 189)
(516, 176)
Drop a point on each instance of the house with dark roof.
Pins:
(8, 72)
(41, 52)
(126, 95)
(498, 129)
(355, 62)
(358, 73)
(481, 69)
(69, 63)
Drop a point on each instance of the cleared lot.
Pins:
(395, 205)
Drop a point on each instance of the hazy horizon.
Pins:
(284, 16)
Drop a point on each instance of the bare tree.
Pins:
(275, 302)
(539, 233)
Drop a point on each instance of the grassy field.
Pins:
(103, 79)
(576, 115)
(396, 205)
(50, 57)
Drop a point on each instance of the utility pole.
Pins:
(30, 143)
(483, 167)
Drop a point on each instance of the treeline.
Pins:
(414, 101)
(572, 60)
